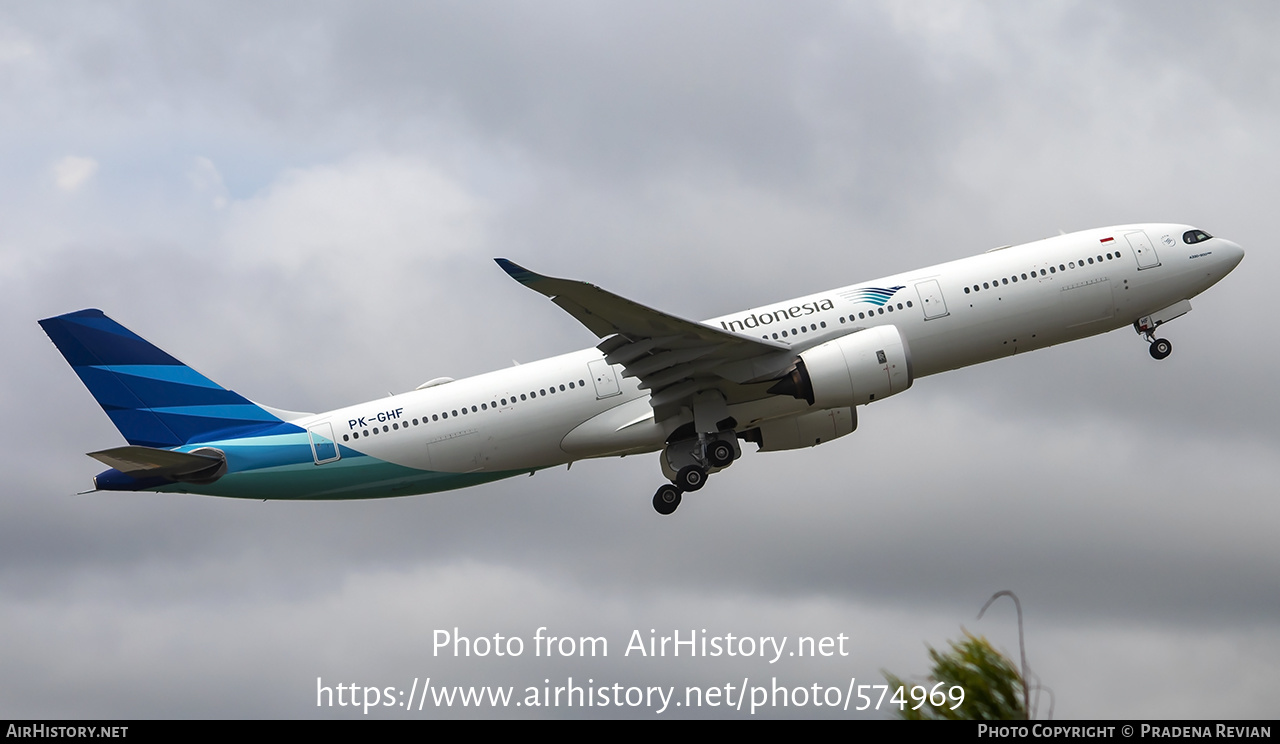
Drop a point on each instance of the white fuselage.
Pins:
(951, 315)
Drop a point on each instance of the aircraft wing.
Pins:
(674, 358)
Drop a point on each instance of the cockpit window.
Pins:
(1195, 236)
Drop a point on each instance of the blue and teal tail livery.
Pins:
(152, 398)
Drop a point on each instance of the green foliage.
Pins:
(993, 688)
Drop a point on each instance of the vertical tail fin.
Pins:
(152, 398)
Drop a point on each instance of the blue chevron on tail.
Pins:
(152, 398)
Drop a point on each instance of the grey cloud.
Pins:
(700, 159)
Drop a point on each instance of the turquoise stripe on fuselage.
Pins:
(282, 467)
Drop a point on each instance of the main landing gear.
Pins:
(688, 463)
(666, 499)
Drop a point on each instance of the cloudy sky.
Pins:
(302, 201)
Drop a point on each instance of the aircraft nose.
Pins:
(1232, 254)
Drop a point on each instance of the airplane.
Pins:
(783, 376)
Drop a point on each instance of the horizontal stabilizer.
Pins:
(149, 462)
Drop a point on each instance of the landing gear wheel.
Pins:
(691, 478)
(719, 453)
(666, 499)
(1160, 348)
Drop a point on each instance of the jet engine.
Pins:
(806, 430)
(852, 370)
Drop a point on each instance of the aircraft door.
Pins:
(1143, 249)
(458, 452)
(931, 300)
(1087, 302)
(605, 380)
(323, 447)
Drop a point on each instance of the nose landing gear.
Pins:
(1159, 347)
(1147, 324)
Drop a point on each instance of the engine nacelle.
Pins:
(806, 430)
(852, 370)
